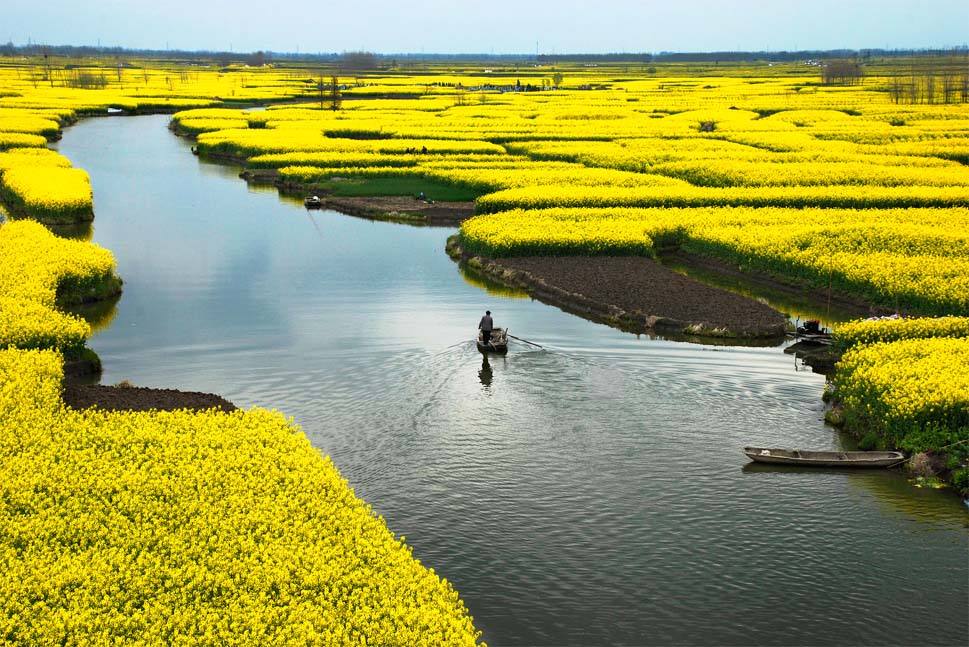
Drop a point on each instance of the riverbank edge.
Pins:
(398, 209)
(590, 308)
(127, 397)
(923, 466)
(17, 210)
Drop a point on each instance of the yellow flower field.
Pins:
(904, 258)
(903, 383)
(866, 332)
(913, 393)
(229, 528)
(48, 193)
(23, 157)
(41, 272)
(203, 528)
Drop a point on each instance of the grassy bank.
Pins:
(903, 384)
(395, 186)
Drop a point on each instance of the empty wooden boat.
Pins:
(779, 456)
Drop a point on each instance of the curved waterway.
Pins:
(589, 493)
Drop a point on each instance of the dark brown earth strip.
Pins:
(403, 208)
(633, 293)
(121, 398)
(846, 302)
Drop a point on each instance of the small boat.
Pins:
(497, 344)
(313, 202)
(823, 458)
(812, 332)
(817, 339)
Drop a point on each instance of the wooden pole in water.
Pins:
(828, 315)
(526, 341)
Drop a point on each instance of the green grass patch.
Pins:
(388, 186)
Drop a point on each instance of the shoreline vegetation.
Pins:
(346, 575)
(841, 189)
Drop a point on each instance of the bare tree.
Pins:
(841, 72)
(358, 61)
(914, 92)
(336, 96)
(948, 85)
(897, 89)
(929, 84)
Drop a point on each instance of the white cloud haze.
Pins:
(499, 26)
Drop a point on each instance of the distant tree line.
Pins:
(361, 60)
(935, 80)
(617, 57)
(798, 55)
(841, 72)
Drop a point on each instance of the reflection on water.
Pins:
(491, 287)
(798, 307)
(83, 231)
(891, 489)
(485, 374)
(98, 314)
(589, 493)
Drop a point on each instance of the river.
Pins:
(591, 492)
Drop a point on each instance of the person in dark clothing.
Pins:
(486, 325)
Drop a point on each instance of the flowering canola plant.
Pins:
(914, 393)
(41, 272)
(912, 258)
(48, 193)
(213, 528)
(865, 332)
(193, 528)
(903, 383)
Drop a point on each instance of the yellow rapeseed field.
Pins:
(193, 528)
(199, 528)
(229, 528)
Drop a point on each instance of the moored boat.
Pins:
(779, 456)
(313, 202)
(812, 332)
(498, 343)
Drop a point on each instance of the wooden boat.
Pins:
(819, 339)
(313, 202)
(823, 458)
(497, 344)
(811, 332)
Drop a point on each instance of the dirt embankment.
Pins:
(394, 208)
(632, 293)
(402, 209)
(131, 398)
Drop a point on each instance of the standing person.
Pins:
(486, 325)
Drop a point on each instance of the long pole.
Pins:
(526, 341)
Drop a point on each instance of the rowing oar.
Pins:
(526, 341)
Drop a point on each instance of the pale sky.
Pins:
(499, 26)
